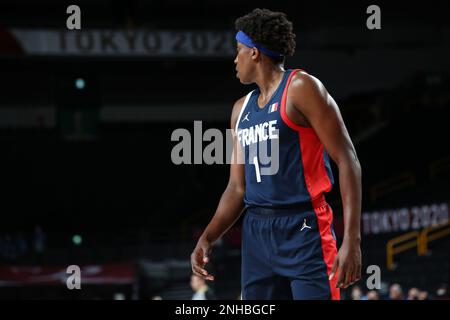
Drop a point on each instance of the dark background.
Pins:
(115, 185)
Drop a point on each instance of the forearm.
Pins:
(350, 186)
(228, 211)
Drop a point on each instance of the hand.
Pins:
(200, 257)
(348, 262)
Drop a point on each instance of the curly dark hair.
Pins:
(270, 29)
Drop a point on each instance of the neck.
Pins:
(268, 77)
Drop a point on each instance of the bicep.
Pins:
(237, 173)
(322, 112)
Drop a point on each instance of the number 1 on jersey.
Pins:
(258, 174)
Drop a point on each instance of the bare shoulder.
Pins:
(308, 95)
(303, 83)
(236, 110)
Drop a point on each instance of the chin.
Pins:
(241, 80)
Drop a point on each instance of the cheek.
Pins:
(242, 63)
(241, 58)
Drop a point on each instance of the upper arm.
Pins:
(310, 97)
(236, 111)
(237, 173)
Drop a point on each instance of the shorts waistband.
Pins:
(286, 211)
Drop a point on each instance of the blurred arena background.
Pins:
(86, 119)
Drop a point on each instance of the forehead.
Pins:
(240, 45)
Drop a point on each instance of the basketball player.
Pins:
(288, 242)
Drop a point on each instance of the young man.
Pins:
(288, 247)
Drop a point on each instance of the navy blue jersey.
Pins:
(299, 172)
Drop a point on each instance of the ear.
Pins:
(255, 54)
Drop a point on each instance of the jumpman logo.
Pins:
(304, 225)
(246, 117)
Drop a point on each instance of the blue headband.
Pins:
(245, 39)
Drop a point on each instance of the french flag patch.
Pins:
(273, 107)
